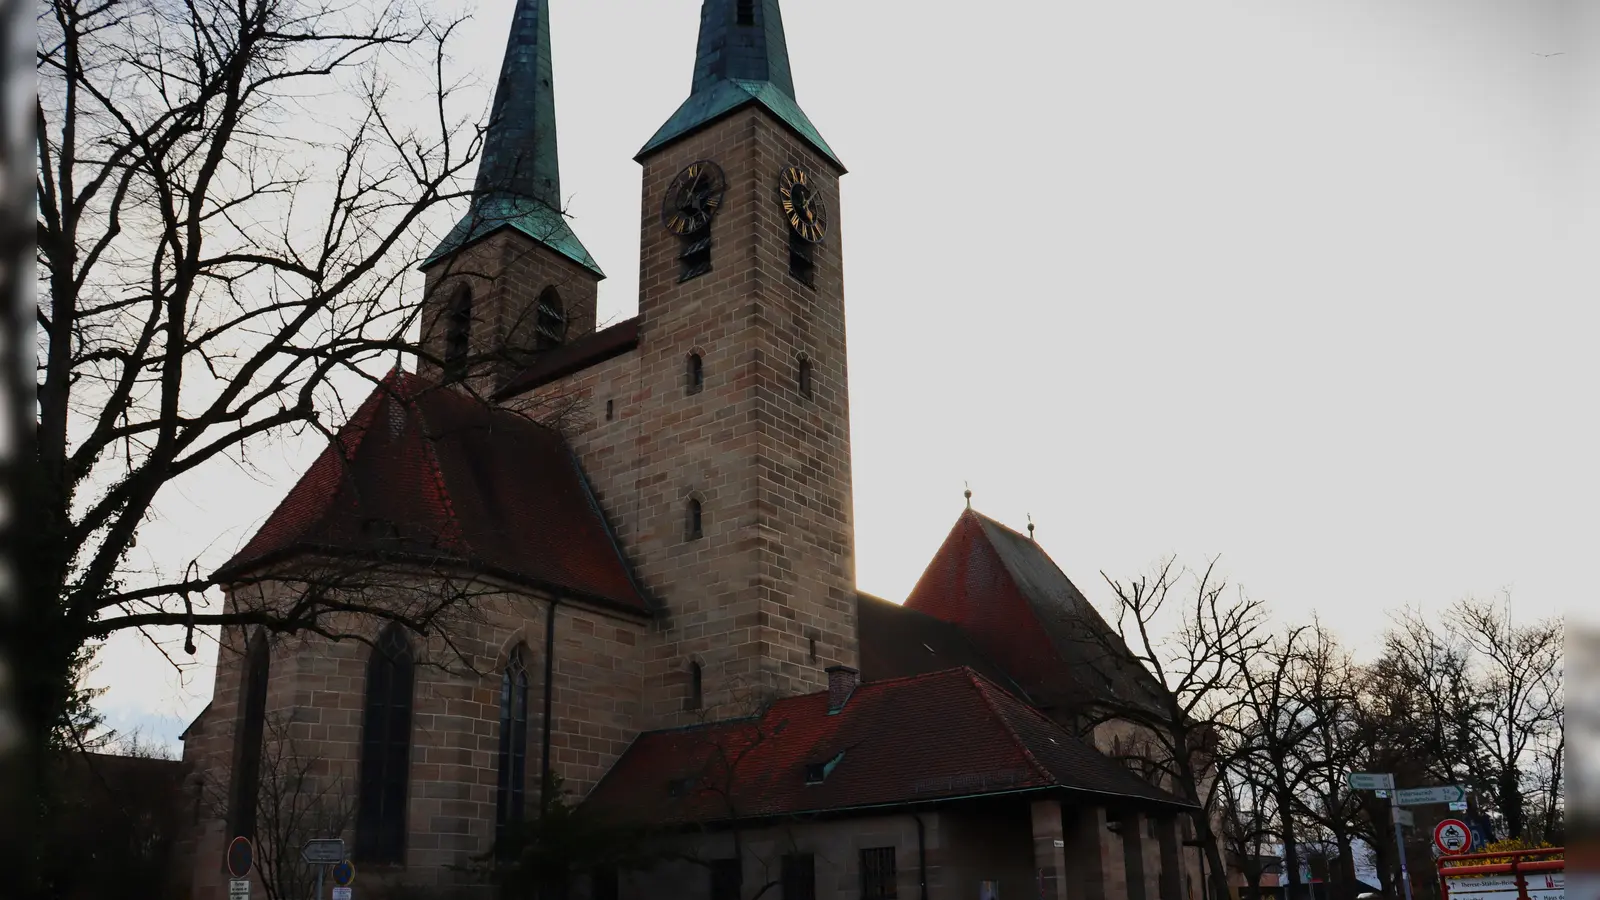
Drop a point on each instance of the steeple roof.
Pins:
(742, 59)
(519, 176)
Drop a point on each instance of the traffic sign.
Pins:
(342, 893)
(323, 851)
(1452, 836)
(1458, 806)
(239, 889)
(241, 856)
(1449, 793)
(1371, 781)
(1404, 817)
(343, 874)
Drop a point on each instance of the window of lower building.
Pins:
(727, 878)
(799, 877)
(879, 880)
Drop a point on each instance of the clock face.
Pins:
(693, 198)
(802, 203)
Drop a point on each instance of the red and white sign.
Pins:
(1452, 836)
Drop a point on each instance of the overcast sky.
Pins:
(1292, 283)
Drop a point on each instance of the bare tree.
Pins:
(1197, 684)
(230, 196)
(1518, 678)
(300, 795)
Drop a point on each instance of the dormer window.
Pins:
(550, 321)
(816, 773)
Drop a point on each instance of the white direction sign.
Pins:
(1371, 781)
(239, 889)
(1541, 886)
(1450, 793)
(1405, 817)
(323, 851)
(342, 892)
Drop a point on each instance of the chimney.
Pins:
(842, 681)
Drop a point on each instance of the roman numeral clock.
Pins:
(802, 204)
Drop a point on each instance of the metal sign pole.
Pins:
(321, 869)
(1400, 845)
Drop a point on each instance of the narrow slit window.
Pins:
(696, 374)
(802, 260)
(813, 648)
(803, 377)
(696, 524)
(696, 686)
(611, 410)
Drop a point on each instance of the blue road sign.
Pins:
(344, 873)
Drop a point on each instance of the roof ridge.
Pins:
(977, 685)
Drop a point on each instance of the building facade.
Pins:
(634, 551)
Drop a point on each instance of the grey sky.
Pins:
(1296, 283)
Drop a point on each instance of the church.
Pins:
(645, 530)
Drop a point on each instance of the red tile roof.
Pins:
(1006, 593)
(591, 349)
(430, 474)
(911, 740)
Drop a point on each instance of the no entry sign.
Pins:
(1452, 836)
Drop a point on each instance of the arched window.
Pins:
(550, 321)
(385, 750)
(458, 334)
(513, 761)
(802, 376)
(696, 374)
(696, 526)
(248, 737)
(696, 686)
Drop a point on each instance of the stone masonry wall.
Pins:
(318, 686)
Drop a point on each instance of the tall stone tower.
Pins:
(741, 317)
(722, 457)
(511, 280)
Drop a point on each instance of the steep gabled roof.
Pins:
(1017, 605)
(896, 642)
(939, 736)
(428, 474)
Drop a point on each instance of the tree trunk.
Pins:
(1291, 850)
(1347, 864)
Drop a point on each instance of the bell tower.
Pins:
(744, 487)
(510, 280)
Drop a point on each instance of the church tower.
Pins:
(741, 319)
(510, 280)
(722, 455)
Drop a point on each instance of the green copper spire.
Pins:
(742, 59)
(519, 177)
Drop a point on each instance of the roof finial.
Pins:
(968, 493)
(1030, 526)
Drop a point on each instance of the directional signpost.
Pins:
(324, 852)
(1371, 781)
(1450, 793)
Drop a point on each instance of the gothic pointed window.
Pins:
(513, 759)
(385, 750)
(248, 737)
(457, 333)
(550, 321)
